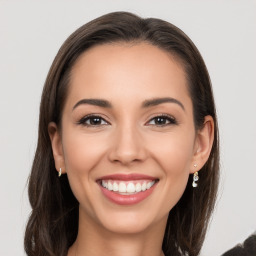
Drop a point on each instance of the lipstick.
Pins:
(127, 189)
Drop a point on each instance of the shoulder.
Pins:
(248, 248)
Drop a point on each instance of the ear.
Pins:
(57, 149)
(203, 144)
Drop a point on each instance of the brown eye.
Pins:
(92, 121)
(162, 121)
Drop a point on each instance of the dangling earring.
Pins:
(195, 178)
(60, 172)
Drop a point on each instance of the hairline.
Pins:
(128, 43)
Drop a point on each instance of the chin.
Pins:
(131, 220)
(127, 224)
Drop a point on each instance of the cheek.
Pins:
(81, 153)
(174, 153)
(176, 163)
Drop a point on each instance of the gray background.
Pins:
(31, 32)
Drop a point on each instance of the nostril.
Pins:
(127, 155)
(127, 145)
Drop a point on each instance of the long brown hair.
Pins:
(53, 224)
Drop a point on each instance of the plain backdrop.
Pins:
(31, 33)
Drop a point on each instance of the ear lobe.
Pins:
(56, 147)
(203, 145)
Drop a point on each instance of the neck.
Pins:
(93, 240)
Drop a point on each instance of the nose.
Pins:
(127, 146)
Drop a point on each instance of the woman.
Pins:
(127, 126)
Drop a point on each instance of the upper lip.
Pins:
(126, 177)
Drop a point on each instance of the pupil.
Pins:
(160, 120)
(95, 121)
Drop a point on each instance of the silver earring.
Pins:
(195, 179)
(60, 172)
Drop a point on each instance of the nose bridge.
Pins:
(127, 143)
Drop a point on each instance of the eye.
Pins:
(92, 120)
(162, 120)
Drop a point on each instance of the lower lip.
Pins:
(127, 199)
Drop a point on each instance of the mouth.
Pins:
(127, 189)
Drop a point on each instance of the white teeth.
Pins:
(115, 186)
(130, 188)
(138, 187)
(110, 186)
(149, 185)
(104, 184)
(144, 186)
(124, 187)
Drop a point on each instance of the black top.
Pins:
(248, 248)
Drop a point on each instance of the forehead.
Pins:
(137, 71)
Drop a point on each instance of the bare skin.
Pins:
(136, 134)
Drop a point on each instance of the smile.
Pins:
(127, 189)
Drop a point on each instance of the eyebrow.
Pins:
(95, 102)
(157, 101)
(147, 103)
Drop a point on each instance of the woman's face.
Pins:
(128, 142)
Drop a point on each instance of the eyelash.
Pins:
(170, 119)
(83, 120)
